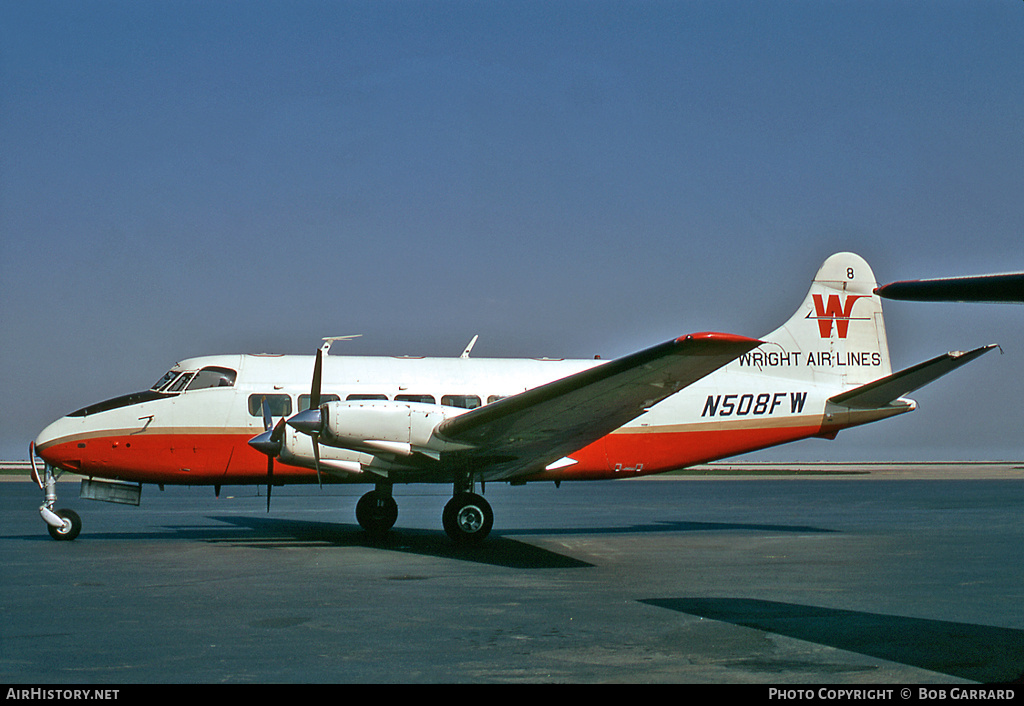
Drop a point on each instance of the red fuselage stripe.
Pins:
(207, 459)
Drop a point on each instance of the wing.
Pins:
(525, 433)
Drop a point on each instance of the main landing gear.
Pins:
(377, 510)
(467, 517)
(63, 524)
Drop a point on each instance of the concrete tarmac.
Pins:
(864, 577)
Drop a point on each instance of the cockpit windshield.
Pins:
(162, 382)
(178, 381)
(172, 383)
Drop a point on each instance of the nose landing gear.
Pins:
(63, 524)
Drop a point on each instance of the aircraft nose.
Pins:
(49, 441)
(47, 437)
(307, 421)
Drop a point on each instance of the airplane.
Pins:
(281, 419)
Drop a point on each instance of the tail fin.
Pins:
(837, 336)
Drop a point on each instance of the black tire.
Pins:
(71, 530)
(467, 518)
(376, 512)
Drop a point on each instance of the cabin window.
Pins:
(425, 399)
(304, 400)
(463, 401)
(280, 405)
(213, 377)
(365, 396)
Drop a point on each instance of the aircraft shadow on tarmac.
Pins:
(277, 533)
(500, 549)
(282, 534)
(979, 653)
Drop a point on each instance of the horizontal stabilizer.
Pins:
(890, 388)
(1007, 287)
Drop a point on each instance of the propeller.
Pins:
(310, 421)
(269, 443)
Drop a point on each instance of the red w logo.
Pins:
(834, 311)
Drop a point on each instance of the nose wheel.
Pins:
(71, 525)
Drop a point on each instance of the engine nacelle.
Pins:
(394, 427)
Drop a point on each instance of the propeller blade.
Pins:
(316, 459)
(314, 403)
(278, 432)
(268, 420)
(314, 393)
(270, 479)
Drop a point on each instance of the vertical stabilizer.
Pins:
(837, 336)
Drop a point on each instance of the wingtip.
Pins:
(720, 338)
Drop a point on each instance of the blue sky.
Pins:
(564, 179)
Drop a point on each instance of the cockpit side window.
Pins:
(179, 384)
(213, 377)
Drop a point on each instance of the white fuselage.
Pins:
(199, 435)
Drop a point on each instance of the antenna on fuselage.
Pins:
(465, 353)
(328, 340)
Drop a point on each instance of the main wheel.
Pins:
(72, 526)
(467, 518)
(377, 512)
